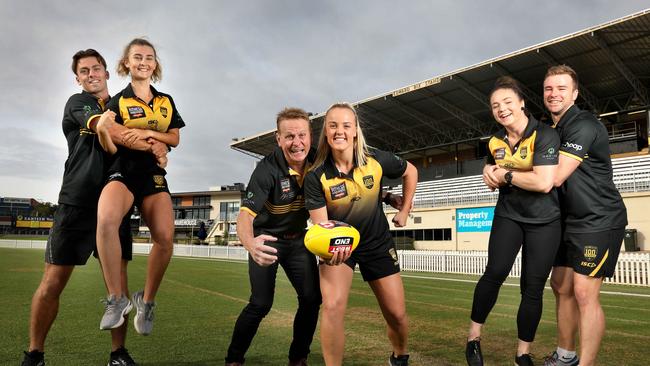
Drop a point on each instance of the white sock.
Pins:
(564, 354)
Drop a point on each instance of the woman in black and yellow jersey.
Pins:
(522, 164)
(135, 177)
(345, 184)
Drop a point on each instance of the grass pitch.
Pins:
(200, 300)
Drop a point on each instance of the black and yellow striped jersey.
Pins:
(590, 200)
(355, 198)
(275, 198)
(158, 115)
(539, 145)
(83, 177)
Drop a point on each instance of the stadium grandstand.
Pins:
(442, 126)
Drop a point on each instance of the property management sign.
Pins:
(474, 220)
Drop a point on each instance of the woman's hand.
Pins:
(400, 219)
(338, 257)
(489, 178)
(130, 136)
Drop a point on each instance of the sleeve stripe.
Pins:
(569, 155)
(90, 120)
(246, 209)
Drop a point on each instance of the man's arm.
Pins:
(113, 132)
(99, 126)
(566, 167)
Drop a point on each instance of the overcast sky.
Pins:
(232, 65)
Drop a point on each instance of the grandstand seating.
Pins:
(631, 174)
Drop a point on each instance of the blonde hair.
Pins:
(360, 147)
(122, 70)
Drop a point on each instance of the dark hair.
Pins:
(83, 54)
(291, 113)
(122, 70)
(507, 82)
(561, 70)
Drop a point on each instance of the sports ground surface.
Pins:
(200, 300)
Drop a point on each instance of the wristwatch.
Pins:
(508, 177)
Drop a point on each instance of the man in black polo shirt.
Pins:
(594, 220)
(271, 226)
(72, 238)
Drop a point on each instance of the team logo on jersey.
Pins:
(152, 125)
(87, 110)
(500, 153)
(163, 111)
(590, 252)
(338, 191)
(523, 152)
(285, 185)
(135, 112)
(159, 180)
(571, 145)
(550, 154)
(369, 181)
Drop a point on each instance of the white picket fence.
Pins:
(631, 269)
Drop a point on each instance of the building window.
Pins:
(176, 201)
(228, 211)
(423, 234)
(201, 201)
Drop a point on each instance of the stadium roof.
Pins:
(612, 61)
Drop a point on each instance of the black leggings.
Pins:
(302, 271)
(540, 243)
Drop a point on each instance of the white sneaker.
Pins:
(143, 321)
(114, 312)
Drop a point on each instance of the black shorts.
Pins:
(73, 238)
(141, 185)
(377, 263)
(591, 254)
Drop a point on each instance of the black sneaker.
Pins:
(33, 358)
(473, 352)
(524, 360)
(401, 360)
(121, 357)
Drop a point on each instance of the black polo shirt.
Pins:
(355, 198)
(590, 200)
(275, 197)
(83, 175)
(158, 115)
(539, 145)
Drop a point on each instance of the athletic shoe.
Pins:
(115, 311)
(143, 320)
(554, 360)
(121, 357)
(33, 358)
(401, 360)
(300, 362)
(234, 364)
(524, 360)
(473, 352)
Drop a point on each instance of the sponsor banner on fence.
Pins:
(474, 220)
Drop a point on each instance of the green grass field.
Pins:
(200, 300)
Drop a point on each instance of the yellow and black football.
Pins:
(328, 237)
